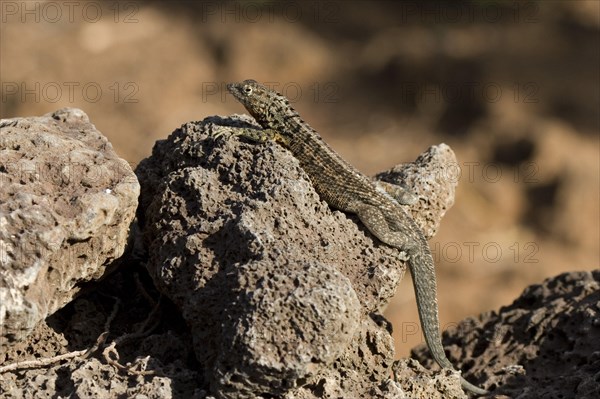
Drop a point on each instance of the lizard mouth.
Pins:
(231, 87)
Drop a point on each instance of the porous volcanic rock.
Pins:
(66, 205)
(283, 294)
(546, 344)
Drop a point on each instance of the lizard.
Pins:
(345, 188)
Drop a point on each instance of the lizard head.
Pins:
(265, 105)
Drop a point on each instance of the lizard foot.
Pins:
(399, 193)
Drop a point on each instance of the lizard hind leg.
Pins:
(423, 276)
(377, 223)
(399, 193)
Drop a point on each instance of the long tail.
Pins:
(423, 276)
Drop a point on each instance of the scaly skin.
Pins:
(345, 188)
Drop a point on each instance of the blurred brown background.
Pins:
(513, 87)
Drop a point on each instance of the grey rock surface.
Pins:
(165, 354)
(281, 292)
(423, 383)
(546, 344)
(266, 276)
(432, 177)
(66, 204)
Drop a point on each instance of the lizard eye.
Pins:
(248, 90)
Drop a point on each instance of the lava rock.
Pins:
(283, 294)
(66, 206)
(546, 344)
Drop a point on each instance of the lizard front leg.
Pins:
(256, 135)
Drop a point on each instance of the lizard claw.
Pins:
(217, 131)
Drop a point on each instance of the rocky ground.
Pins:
(511, 88)
(380, 84)
(242, 283)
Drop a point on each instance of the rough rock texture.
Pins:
(280, 291)
(423, 383)
(166, 352)
(66, 204)
(433, 177)
(546, 344)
